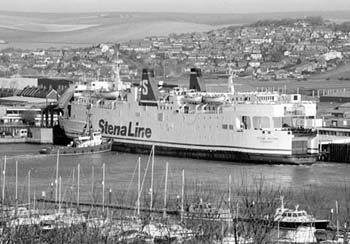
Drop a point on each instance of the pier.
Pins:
(111, 206)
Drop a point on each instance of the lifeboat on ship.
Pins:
(214, 99)
(110, 95)
(193, 98)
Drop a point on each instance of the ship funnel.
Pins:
(149, 89)
(195, 80)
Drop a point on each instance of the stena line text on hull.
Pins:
(123, 130)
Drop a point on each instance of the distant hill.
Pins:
(78, 29)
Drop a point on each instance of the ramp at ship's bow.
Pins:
(66, 97)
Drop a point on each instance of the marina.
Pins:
(120, 186)
(237, 135)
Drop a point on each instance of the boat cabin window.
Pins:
(69, 108)
(246, 124)
(277, 122)
(261, 122)
(186, 109)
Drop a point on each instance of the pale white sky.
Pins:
(198, 6)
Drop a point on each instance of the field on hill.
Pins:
(341, 72)
(42, 30)
(96, 34)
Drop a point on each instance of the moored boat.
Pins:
(90, 141)
(214, 99)
(258, 127)
(193, 98)
(205, 211)
(82, 145)
(294, 218)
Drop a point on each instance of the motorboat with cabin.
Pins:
(90, 141)
(294, 218)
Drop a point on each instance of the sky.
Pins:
(198, 6)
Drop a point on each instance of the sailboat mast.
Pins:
(165, 188)
(103, 186)
(152, 175)
(72, 187)
(60, 194)
(138, 188)
(78, 186)
(92, 183)
(16, 191)
(34, 199)
(4, 181)
(182, 194)
(56, 179)
(229, 199)
(29, 190)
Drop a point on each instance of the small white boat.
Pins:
(193, 99)
(205, 211)
(214, 99)
(110, 95)
(293, 218)
(82, 145)
(90, 141)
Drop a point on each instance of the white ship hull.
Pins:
(243, 131)
(192, 135)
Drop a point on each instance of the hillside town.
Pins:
(112, 100)
(265, 50)
(290, 49)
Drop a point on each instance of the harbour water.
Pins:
(328, 179)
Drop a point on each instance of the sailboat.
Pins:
(90, 141)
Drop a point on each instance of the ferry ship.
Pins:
(258, 127)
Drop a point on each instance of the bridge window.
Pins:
(261, 122)
(277, 122)
(246, 122)
(160, 116)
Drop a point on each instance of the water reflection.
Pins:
(121, 172)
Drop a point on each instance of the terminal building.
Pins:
(29, 102)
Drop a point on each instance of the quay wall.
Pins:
(36, 135)
(10, 140)
(338, 152)
(40, 135)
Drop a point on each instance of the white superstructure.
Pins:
(255, 126)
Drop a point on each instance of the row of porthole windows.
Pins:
(267, 98)
(334, 133)
(227, 127)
